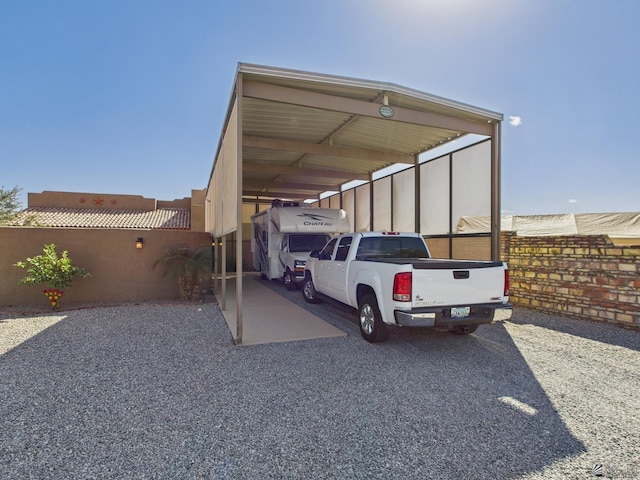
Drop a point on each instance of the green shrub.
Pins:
(190, 266)
(56, 272)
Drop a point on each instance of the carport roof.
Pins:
(306, 133)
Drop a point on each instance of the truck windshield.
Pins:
(306, 243)
(391, 247)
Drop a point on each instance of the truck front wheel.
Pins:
(372, 328)
(309, 292)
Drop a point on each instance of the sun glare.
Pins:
(16, 331)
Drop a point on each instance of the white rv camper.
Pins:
(283, 236)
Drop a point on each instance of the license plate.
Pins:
(460, 312)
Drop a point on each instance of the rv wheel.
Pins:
(288, 281)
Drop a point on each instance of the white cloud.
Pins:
(573, 200)
(515, 121)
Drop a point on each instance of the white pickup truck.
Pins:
(390, 279)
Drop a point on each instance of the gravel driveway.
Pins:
(161, 391)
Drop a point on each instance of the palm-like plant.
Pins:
(190, 266)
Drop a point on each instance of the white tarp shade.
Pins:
(362, 221)
(434, 196)
(348, 204)
(382, 204)
(404, 201)
(617, 225)
(472, 181)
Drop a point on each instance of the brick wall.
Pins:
(584, 277)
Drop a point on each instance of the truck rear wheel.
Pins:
(372, 328)
(288, 280)
(309, 292)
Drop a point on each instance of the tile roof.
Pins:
(161, 218)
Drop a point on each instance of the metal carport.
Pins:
(293, 135)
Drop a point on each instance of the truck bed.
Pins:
(431, 263)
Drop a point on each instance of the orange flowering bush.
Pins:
(53, 294)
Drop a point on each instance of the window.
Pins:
(390, 247)
(307, 243)
(343, 249)
(325, 253)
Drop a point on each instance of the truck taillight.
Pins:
(402, 287)
(506, 282)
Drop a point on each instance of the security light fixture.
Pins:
(139, 243)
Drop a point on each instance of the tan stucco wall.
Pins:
(198, 210)
(119, 271)
(103, 200)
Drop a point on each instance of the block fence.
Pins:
(584, 277)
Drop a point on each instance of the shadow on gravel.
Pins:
(468, 404)
(162, 392)
(600, 332)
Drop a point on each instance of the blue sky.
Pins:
(114, 96)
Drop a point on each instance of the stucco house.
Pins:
(116, 238)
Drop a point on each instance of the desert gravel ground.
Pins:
(161, 391)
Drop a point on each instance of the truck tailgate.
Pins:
(454, 282)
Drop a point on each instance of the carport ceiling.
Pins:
(305, 133)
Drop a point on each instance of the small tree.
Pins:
(57, 273)
(10, 209)
(9, 204)
(190, 266)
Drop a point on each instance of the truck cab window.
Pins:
(403, 247)
(325, 253)
(343, 249)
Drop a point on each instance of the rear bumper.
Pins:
(441, 317)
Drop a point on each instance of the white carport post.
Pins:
(239, 160)
(416, 194)
(495, 192)
(223, 270)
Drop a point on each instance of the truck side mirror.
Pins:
(315, 253)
